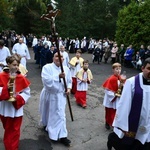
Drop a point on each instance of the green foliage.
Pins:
(22, 3)
(133, 24)
(27, 17)
(68, 23)
(87, 18)
(5, 14)
(78, 18)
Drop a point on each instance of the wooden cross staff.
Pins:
(50, 16)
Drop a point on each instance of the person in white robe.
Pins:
(53, 100)
(49, 43)
(77, 44)
(4, 53)
(139, 139)
(24, 39)
(35, 41)
(91, 45)
(60, 42)
(83, 44)
(76, 63)
(21, 49)
(65, 56)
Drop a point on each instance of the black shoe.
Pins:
(44, 128)
(109, 146)
(54, 141)
(107, 126)
(65, 141)
(84, 106)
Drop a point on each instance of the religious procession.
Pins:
(76, 93)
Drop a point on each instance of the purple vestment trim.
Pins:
(136, 106)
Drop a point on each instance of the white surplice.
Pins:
(66, 58)
(53, 100)
(124, 107)
(82, 86)
(4, 53)
(7, 109)
(108, 97)
(23, 51)
(75, 69)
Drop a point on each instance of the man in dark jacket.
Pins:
(50, 54)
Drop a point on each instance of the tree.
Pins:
(88, 18)
(133, 24)
(68, 23)
(78, 18)
(27, 15)
(5, 14)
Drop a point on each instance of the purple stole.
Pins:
(135, 112)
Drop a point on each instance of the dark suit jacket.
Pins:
(49, 56)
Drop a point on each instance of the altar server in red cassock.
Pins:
(84, 77)
(110, 100)
(76, 63)
(11, 113)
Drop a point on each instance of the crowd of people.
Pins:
(101, 50)
(121, 107)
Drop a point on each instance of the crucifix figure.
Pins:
(53, 3)
(51, 15)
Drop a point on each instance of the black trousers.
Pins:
(125, 143)
(96, 58)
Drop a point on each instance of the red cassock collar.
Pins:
(111, 83)
(20, 82)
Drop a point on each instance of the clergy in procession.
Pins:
(53, 100)
(111, 86)
(14, 94)
(76, 63)
(21, 49)
(84, 77)
(132, 120)
(65, 56)
(4, 53)
(21, 68)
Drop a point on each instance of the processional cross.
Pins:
(50, 15)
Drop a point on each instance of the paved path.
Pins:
(87, 131)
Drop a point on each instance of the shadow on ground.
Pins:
(43, 143)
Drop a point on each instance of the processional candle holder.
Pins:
(122, 81)
(11, 88)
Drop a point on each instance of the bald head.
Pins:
(56, 59)
(20, 40)
(62, 48)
